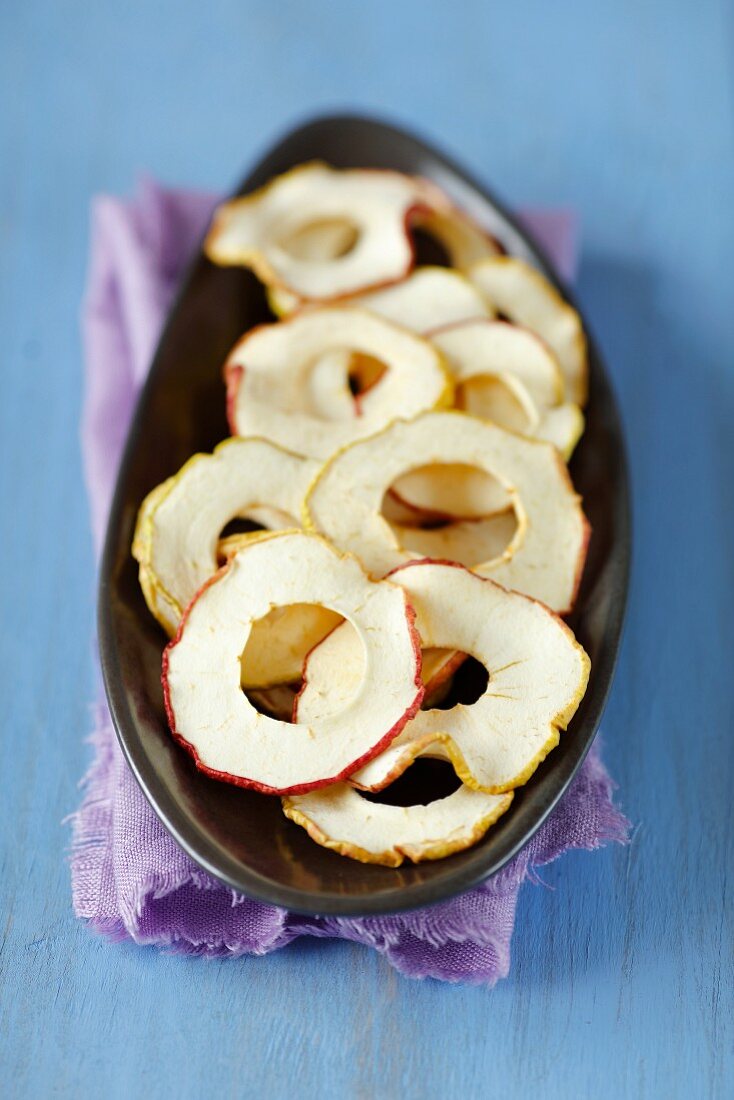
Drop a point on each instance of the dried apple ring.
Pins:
(179, 523)
(525, 297)
(537, 677)
(547, 553)
(269, 378)
(259, 229)
(428, 298)
(464, 242)
(212, 717)
(173, 540)
(431, 297)
(340, 818)
(505, 373)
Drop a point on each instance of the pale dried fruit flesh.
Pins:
(340, 818)
(496, 348)
(537, 676)
(336, 666)
(446, 491)
(547, 552)
(267, 520)
(179, 524)
(274, 230)
(507, 374)
(212, 717)
(463, 240)
(439, 668)
(430, 297)
(269, 374)
(279, 643)
(507, 402)
(470, 542)
(520, 293)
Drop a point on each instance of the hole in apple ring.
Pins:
(425, 781)
(275, 652)
(321, 241)
(468, 683)
(453, 512)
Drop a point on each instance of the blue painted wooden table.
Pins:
(622, 974)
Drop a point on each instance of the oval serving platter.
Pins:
(241, 837)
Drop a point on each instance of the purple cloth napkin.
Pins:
(130, 880)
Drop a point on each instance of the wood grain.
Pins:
(622, 976)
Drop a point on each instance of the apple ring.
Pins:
(525, 297)
(211, 716)
(269, 378)
(537, 677)
(177, 547)
(340, 818)
(259, 229)
(506, 374)
(179, 523)
(428, 298)
(464, 242)
(546, 555)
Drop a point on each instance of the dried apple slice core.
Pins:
(545, 556)
(390, 830)
(438, 666)
(319, 241)
(499, 400)
(339, 379)
(334, 669)
(426, 780)
(212, 717)
(462, 239)
(364, 372)
(242, 529)
(450, 240)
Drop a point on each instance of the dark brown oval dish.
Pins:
(239, 836)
